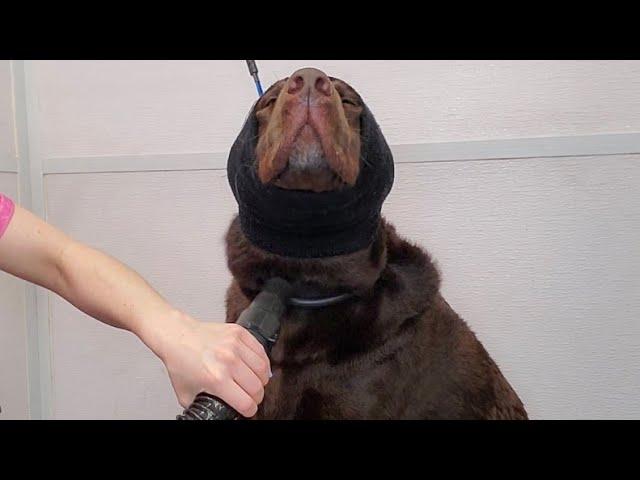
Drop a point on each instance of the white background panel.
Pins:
(136, 107)
(6, 112)
(540, 256)
(168, 226)
(13, 344)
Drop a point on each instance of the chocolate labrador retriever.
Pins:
(368, 336)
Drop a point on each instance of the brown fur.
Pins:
(397, 350)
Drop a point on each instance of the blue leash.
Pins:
(253, 70)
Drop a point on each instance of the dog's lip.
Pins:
(287, 168)
(287, 150)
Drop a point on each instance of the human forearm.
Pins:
(92, 281)
(223, 359)
(113, 293)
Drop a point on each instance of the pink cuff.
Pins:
(6, 212)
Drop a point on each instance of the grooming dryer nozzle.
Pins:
(262, 319)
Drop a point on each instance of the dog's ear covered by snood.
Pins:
(304, 224)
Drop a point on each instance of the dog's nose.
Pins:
(309, 80)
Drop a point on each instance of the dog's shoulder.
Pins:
(440, 344)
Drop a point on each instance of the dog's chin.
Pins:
(307, 169)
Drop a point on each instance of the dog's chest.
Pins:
(320, 372)
(315, 392)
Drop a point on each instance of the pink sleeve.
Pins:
(6, 212)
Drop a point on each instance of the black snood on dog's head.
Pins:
(304, 224)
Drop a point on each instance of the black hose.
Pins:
(262, 319)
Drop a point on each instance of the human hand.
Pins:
(222, 359)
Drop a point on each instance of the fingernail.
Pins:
(270, 374)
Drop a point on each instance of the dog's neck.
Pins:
(393, 282)
(355, 273)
